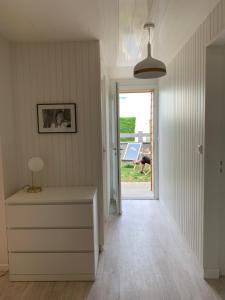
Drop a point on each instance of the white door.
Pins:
(116, 183)
(105, 159)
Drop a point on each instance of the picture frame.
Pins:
(56, 118)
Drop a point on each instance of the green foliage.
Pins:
(131, 174)
(127, 125)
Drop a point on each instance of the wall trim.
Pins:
(4, 268)
(211, 273)
(218, 40)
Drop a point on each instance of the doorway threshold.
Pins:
(138, 198)
(136, 191)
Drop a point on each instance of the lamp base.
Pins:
(34, 189)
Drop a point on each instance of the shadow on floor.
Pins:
(218, 286)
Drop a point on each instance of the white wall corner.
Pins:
(4, 268)
(211, 273)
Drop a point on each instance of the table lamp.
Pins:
(35, 164)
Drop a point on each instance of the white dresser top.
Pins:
(57, 195)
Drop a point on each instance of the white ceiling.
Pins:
(175, 21)
(117, 23)
(61, 20)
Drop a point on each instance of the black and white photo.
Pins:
(57, 118)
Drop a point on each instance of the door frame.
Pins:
(131, 86)
(3, 251)
(155, 148)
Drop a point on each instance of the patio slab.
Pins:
(136, 191)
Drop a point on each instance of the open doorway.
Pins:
(136, 145)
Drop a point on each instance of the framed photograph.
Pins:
(57, 118)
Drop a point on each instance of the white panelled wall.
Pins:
(182, 129)
(7, 122)
(57, 73)
(34, 73)
(8, 170)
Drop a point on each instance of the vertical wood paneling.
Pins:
(57, 73)
(181, 130)
(6, 120)
(8, 169)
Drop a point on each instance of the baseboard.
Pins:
(53, 277)
(211, 273)
(4, 268)
(222, 272)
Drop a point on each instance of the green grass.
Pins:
(127, 125)
(131, 174)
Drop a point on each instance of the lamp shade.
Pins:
(35, 164)
(150, 67)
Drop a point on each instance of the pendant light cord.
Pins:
(149, 44)
(149, 34)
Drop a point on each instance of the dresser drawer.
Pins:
(49, 216)
(51, 263)
(50, 240)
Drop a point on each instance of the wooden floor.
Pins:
(145, 258)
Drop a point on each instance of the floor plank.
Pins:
(144, 258)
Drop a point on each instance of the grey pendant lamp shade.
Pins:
(149, 67)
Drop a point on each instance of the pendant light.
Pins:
(149, 67)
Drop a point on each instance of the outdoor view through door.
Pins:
(136, 144)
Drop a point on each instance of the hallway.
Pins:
(144, 258)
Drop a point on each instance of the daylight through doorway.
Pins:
(136, 144)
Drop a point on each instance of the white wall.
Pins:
(8, 168)
(214, 245)
(181, 125)
(6, 119)
(56, 73)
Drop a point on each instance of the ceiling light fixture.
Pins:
(149, 67)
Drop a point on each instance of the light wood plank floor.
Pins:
(145, 258)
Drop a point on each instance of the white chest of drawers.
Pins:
(53, 235)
